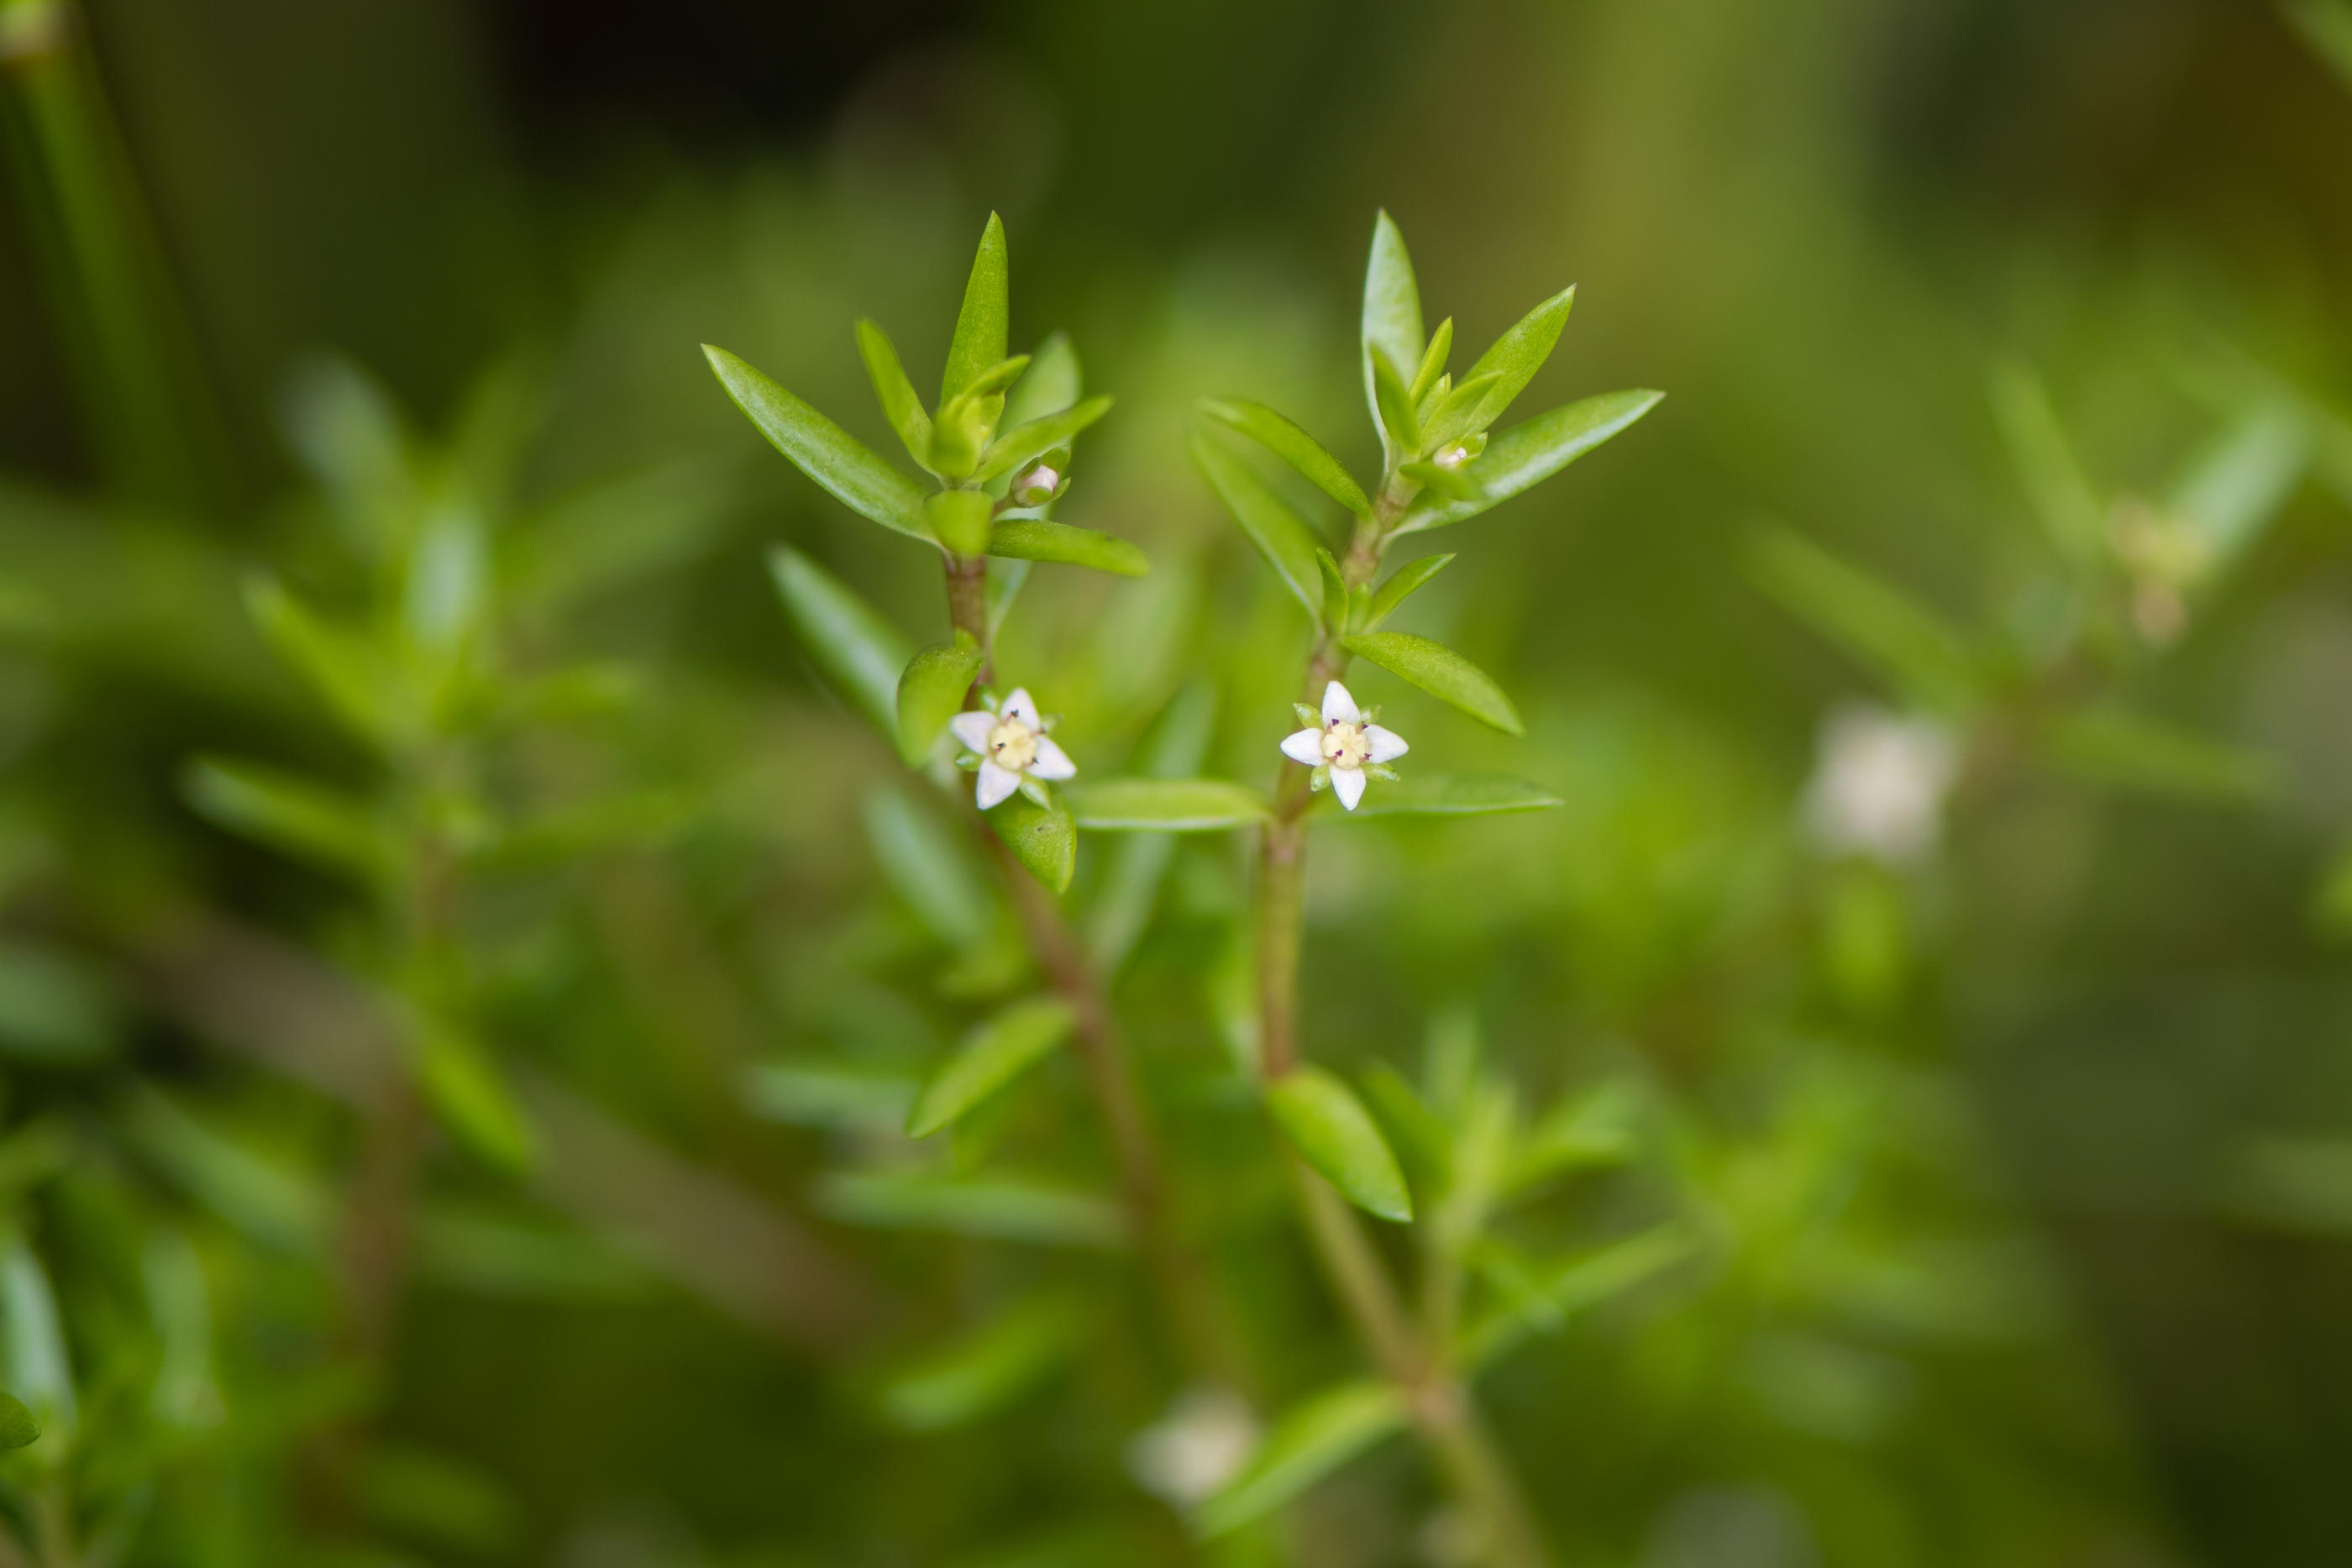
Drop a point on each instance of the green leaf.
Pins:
(931, 690)
(1549, 1296)
(930, 869)
(1516, 356)
(2063, 499)
(900, 406)
(1137, 864)
(992, 1055)
(1451, 483)
(827, 1094)
(1280, 534)
(1881, 627)
(858, 651)
(1053, 382)
(982, 1371)
(1401, 585)
(1527, 454)
(1329, 1128)
(1025, 443)
(1392, 321)
(821, 449)
(289, 812)
(1293, 445)
(1042, 839)
(474, 1102)
(2327, 29)
(982, 326)
(1433, 362)
(1398, 420)
(1009, 1208)
(356, 680)
(1594, 1128)
(1311, 1440)
(39, 1369)
(1163, 805)
(1424, 1144)
(960, 520)
(2238, 485)
(1034, 538)
(2110, 745)
(1335, 591)
(1462, 412)
(1434, 795)
(19, 1427)
(1441, 672)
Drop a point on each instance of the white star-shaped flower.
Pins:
(1343, 745)
(1011, 749)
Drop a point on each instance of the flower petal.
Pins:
(996, 785)
(1387, 743)
(1052, 761)
(1339, 707)
(1019, 708)
(972, 729)
(1347, 783)
(1305, 749)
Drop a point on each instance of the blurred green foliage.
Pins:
(465, 971)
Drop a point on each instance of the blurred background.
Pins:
(452, 1038)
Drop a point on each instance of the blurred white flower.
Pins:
(1011, 747)
(1343, 745)
(1879, 784)
(1203, 1442)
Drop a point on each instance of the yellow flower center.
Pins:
(1344, 746)
(1011, 744)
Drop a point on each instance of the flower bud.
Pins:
(1042, 480)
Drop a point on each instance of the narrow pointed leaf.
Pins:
(1009, 1208)
(982, 325)
(1398, 419)
(1518, 354)
(931, 869)
(1053, 382)
(1421, 794)
(982, 1372)
(1450, 483)
(289, 813)
(1527, 454)
(821, 449)
(1335, 591)
(1892, 633)
(2237, 485)
(1333, 1132)
(19, 1427)
(1433, 362)
(989, 1057)
(2129, 750)
(1025, 443)
(1548, 1297)
(1401, 586)
(356, 681)
(1441, 672)
(37, 1364)
(1043, 839)
(1293, 445)
(1391, 319)
(930, 692)
(1137, 864)
(2063, 499)
(1034, 538)
(473, 1102)
(900, 406)
(1312, 1440)
(1280, 534)
(860, 653)
(1461, 412)
(1163, 805)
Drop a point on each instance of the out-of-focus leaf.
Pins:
(1420, 1139)
(2110, 745)
(1310, 1441)
(289, 812)
(39, 1371)
(930, 692)
(858, 651)
(984, 325)
(825, 1094)
(1516, 356)
(1544, 1297)
(270, 1199)
(347, 433)
(1025, 443)
(179, 1301)
(1441, 672)
(1053, 382)
(1005, 581)
(1527, 454)
(55, 1009)
(608, 535)
(1594, 1128)
(2326, 28)
(2293, 1184)
(446, 594)
(930, 869)
(1043, 839)
(983, 1371)
(1164, 805)
(1281, 536)
(1392, 321)
(821, 449)
(1293, 445)
(1438, 795)
(1906, 644)
(1329, 1128)
(473, 1101)
(1401, 585)
(2063, 499)
(1137, 862)
(992, 1055)
(900, 406)
(1034, 538)
(1005, 1207)
(19, 1427)
(353, 678)
(2237, 485)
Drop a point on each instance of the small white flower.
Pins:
(1037, 487)
(1010, 749)
(1879, 786)
(1203, 1442)
(1343, 745)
